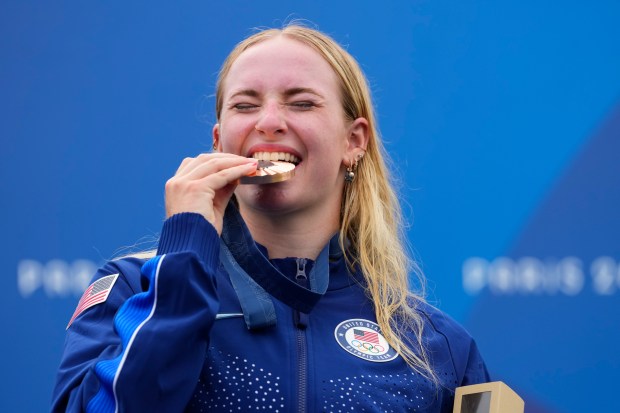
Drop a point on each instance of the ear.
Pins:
(216, 138)
(357, 140)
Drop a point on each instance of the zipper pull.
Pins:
(301, 319)
(301, 277)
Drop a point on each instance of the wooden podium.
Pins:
(493, 397)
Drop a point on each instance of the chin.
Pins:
(269, 199)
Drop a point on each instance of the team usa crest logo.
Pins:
(363, 339)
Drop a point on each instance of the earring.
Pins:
(214, 146)
(349, 175)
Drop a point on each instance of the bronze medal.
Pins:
(269, 172)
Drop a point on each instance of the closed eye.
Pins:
(302, 104)
(244, 106)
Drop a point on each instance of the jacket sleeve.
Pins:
(475, 369)
(455, 343)
(143, 349)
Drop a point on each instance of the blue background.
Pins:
(503, 119)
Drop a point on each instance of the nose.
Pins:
(271, 120)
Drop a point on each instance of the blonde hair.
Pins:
(371, 218)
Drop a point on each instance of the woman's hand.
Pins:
(205, 184)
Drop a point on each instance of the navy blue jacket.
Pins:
(212, 325)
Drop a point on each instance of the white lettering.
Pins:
(56, 278)
(475, 275)
(572, 278)
(502, 276)
(82, 272)
(29, 276)
(531, 275)
(604, 273)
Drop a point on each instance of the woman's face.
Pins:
(281, 96)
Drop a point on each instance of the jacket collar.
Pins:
(248, 256)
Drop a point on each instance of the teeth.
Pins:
(276, 156)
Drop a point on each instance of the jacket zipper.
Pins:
(301, 322)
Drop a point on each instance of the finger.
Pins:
(218, 165)
(184, 194)
(228, 176)
(207, 196)
(189, 164)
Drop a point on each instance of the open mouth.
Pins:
(276, 156)
(269, 172)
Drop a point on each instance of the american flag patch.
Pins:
(96, 293)
(367, 336)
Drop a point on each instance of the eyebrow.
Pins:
(299, 90)
(245, 92)
(287, 93)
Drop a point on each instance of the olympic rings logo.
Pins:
(367, 347)
(362, 338)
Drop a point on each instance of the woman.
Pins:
(289, 296)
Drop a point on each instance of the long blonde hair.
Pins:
(371, 218)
